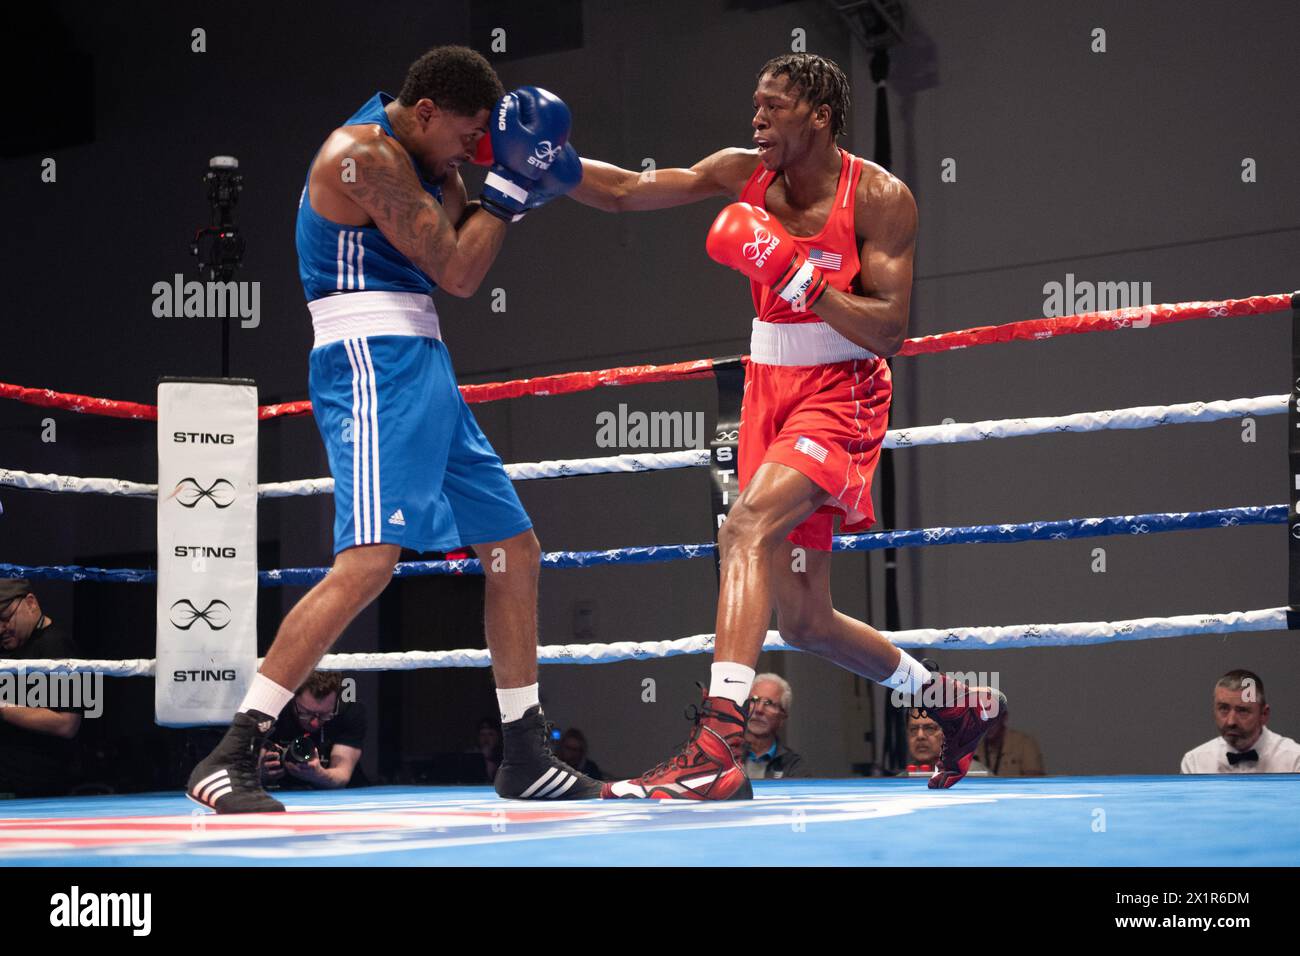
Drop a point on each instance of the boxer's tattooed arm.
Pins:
(386, 187)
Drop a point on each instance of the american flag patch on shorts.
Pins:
(829, 261)
(811, 449)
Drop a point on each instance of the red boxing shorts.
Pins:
(827, 423)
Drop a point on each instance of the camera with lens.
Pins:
(300, 750)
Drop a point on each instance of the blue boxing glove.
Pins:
(564, 174)
(529, 129)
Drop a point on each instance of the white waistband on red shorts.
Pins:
(357, 314)
(801, 343)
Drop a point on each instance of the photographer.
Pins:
(316, 744)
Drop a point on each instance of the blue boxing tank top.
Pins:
(334, 258)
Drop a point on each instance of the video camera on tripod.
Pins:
(224, 244)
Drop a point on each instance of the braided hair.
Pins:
(817, 81)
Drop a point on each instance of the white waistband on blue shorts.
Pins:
(354, 315)
(801, 343)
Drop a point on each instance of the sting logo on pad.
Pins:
(190, 491)
(184, 614)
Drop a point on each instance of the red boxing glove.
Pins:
(483, 152)
(750, 240)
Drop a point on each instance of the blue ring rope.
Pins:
(1064, 530)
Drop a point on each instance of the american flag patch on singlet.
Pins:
(829, 261)
(811, 449)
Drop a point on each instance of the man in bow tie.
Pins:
(1245, 744)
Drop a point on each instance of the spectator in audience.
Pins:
(573, 751)
(1244, 744)
(489, 746)
(37, 749)
(318, 720)
(924, 738)
(1010, 753)
(769, 706)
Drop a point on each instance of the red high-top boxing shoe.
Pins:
(965, 715)
(710, 765)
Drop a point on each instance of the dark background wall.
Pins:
(1115, 166)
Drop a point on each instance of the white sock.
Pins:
(731, 680)
(910, 676)
(513, 701)
(265, 696)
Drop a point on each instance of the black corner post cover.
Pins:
(729, 376)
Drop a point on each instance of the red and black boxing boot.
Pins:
(965, 715)
(710, 765)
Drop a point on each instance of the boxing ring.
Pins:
(1058, 821)
(1046, 821)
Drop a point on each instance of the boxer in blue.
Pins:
(383, 220)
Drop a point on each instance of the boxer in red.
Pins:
(826, 239)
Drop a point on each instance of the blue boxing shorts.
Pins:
(411, 466)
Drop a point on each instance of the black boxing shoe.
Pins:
(227, 780)
(530, 771)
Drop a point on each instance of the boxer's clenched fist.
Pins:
(528, 131)
(750, 240)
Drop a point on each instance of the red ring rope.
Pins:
(568, 382)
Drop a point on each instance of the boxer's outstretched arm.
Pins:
(386, 188)
(613, 189)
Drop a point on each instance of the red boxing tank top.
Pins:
(834, 250)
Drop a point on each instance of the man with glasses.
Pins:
(336, 729)
(769, 706)
(36, 743)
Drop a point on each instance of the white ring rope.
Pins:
(523, 471)
(1144, 416)
(955, 638)
(614, 464)
(36, 481)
